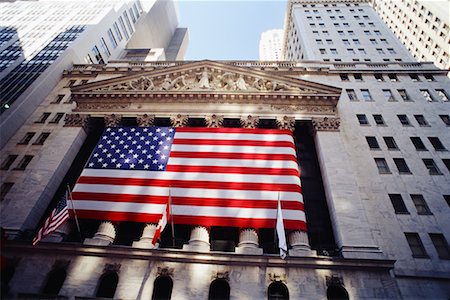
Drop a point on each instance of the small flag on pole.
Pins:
(58, 216)
(162, 223)
(280, 231)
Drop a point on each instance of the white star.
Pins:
(129, 138)
(134, 142)
(147, 142)
(150, 133)
(108, 141)
(127, 160)
(113, 133)
(130, 151)
(155, 138)
(104, 137)
(160, 167)
(108, 155)
(125, 133)
(118, 165)
(152, 147)
(146, 166)
(113, 146)
(149, 156)
(113, 160)
(133, 129)
(166, 147)
(104, 165)
(139, 147)
(163, 134)
(145, 129)
(126, 147)
(158, 130)
(100, 159)
(121, 142)
(155, 161)
(160, 143)
(95, 154)
(158, 151)
(108, 129)
(171, 130)
(142, 138)
(132, 166)
(140, 161)
(163, 157)
(117, 137)
(91, 164)
(105, 150)
(144, 151)
(120, 129)
(137, 133)
(117, 150)
(168, 138)
(122, 155)
(135, 156)
(100, 146)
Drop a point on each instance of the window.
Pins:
(70, 83)
(333, 51)
(366, 95)
(391, 51)
(418, 144)
(219, 289)
(415, 244)
(362, 51)
(162, 288)
(447, 199)
(277, 291)
(382, 166)
(404, 95)
(107, 285)
(388, 96)
(436, 143)
(27, 138)
(340, 32)
(322, 51)
(4, 189)
(414, 77)
(54, 282)
(43, 117)
(346, 42)
(362, 119)
(41, 139)
(97, 55)
(377, 32)
(24, 162)
(57, 118)
(390, 143)
(356, 42)
(57, 99)
(446, 163)
(105, 47)
(372, 142)
(352, 95)
(445, 119)
(398, 204)
(122, 25)
(350, 51)
(428, 77)
(443, 95)
(358, 77)
(393, 77)
(431, 166)
(404, 120)
(421, 120)
(117, 31)
(344, 77)
(378, 119)
(380, 51)
(379, 77)
(441, 245)
(8, 162)
(336, 291)
(112, 39)
(351, 32)
(319, 42)
(426, 94)
(402, 167)
(420, 204)
(373, 41)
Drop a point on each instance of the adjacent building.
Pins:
(271, 45)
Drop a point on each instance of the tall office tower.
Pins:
(40, 39)
(271, 44)
(422, 26)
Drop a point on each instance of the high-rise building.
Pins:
(40, 39)
(368, 139)
(422, 26)
(271, 44)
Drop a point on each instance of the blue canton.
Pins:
(133, 148)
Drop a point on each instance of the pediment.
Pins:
(206, 77)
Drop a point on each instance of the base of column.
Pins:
(143, 245)
(197, 246)
(249, 250)
(306, 251)
(362, 252)
(53, 238)
(96, 242)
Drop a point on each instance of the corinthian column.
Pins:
(248, 242)
(146, 239)
(199, 240)
(105, 235)
(300, 244)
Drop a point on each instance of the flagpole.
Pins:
(171, 219)
(74, 211)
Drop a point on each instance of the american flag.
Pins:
(216, 177)
(58, 216)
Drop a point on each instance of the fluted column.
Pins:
(300, 244)
(199, 240)
(105, 235)
(248, 242)
(145, 241)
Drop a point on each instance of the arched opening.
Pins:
(277, 291)
(162, 288)
(55, 280)
(107, 285)
(337, 292)
(219, 290)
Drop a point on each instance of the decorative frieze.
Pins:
(250, 122)
(334, 280)
(114, 267)
(277, 277)
(179, 120)
(76, 120)
(286, 123)
(112, 120)
(225, 275)
(145, 120)
(165, 271)
(214, 121)
(326, 124)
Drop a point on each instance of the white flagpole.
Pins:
(282, 245)
(74, 211)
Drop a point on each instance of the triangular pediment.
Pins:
(206, 77)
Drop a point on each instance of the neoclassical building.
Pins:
(367, 234)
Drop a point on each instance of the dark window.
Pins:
(378, 119)
(55, 281)
(436, 143)
(344, 77)
(27, 138)
(415, 244)
(43, 117)
(417, 142)
(382, 166)
(414, 77)
(366, 95)
(393, 77)
(441, 245)
(421, 120)
(443, 95)
(337, 292)
(426, 94)
(41, 139)
(358, 77)
(162, 288)
(219, 290)
(404, 120)
(390, 143)
(373, 143)
(24, 162)
(447, 199)
(445, 119)
(431, 166)
(362, 119)
(8, 162)
(388, 96)
(428, 77)
(70, 83)
(57, 118)
(4, 189)
(402, 166)
(58, 99)
(107, 285)
(398, 204)
(420, 204)
(352, 95)
(277, 291)
(446, 163)
(379, 77)
(404, 95)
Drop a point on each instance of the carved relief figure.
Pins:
(228, 82)
(179, 82)
(240, 83)
(142, 84)
(204, 79)
(166, 84)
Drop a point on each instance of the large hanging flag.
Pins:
(217, 177)
(57, 217)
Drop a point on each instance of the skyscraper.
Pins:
(270, 45)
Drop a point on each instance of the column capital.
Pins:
(105, 235)
(112, 120)
(326, 124)
(214, 121)
(76, 120)
(199, 240)
(179, 120)
(145, 120)
(250, 122)
(145, 241)
(248, 242)
(286, 122)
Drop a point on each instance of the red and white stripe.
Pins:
(162, 223)
(216, 177)
(51, 224)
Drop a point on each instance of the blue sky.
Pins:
(228, 30)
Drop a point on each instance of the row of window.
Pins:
(338, 25)
(416, 141)
(389, 96)
(7, 163)
(404, 120)
(392, 77)
(419, 251)
(417, 199)
(56, 118)
(403, 168)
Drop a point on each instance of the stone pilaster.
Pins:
(326, 124)
(179, 120)
(199, 240)
(248, 242)
(147, 236)
(145, 120)
(250, 122)
(76, 120)
(300, 244)
(105, 235)
(112, 120)
(214, 121)
(286, 123)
